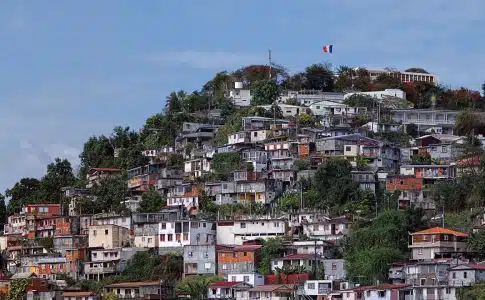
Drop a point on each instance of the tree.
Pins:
(289, 201)
(373, 246)
(417, 70)
(333, 181)
(251, 74)
(59, 174)
(3, 210)
(468, 122)
(295, 82)
(151, 201)
(272, 248)
(17, 289)
(475, 292)
(359, 100)
(196, 286)
(319, 77)
(97, 153)
(223, 164)
(412, 130)
(264, 92)
(27, 190)
(477, 241)
(174, 103)
(110, 193)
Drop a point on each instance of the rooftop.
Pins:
(441, 230)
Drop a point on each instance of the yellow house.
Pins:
(109, 236)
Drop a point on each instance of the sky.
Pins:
(73, 69)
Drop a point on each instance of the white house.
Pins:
(238, 138)
(181, 233)
(251, 278)
(287, 110)
(240, 96)
(317, 287)
(381, 94)
(329, 108)
(235, 232)
(466, 275)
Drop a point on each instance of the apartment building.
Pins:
(237, 259)
(387, 93)
(177, 234)
(236, 232)
(429, 120)
(403, 75)
(200, 259)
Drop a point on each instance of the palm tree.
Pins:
(196, 286)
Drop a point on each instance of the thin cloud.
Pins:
(207, 60)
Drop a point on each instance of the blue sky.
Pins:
(72, 69)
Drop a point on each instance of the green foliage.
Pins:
(97, 153)
(110, 193)
(352, 79)
(475, 292)
(151, 201)
(3, 210)
(272, 248)
(289, 201)
(421, 159)
(338, 192)
(47, 243)
(231, 210)
(319, 77)
(264, 92)
(196, 286)
(301, 164)
(63, 276)
(372, 247)
(398, 138)
(23, 192)
(359, 100)
(17, 289)
(476, 241)
(223, 164)
(412, 130)
(468, 122)
(291, 269)
(416, 70)
(233, 124)
(175, 161)
(110, 296)
(59, 174)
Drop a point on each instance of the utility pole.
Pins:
(269, 60)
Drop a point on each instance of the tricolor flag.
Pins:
(327, 48)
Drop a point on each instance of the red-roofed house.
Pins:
(466, 275)
(304, 260)
(436, 242)
(226, 290)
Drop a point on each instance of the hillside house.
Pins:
(436, 242)
(108, 236)
(237, 259)
(96, 175)
(200, 259)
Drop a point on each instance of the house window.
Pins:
(233, 278)
(164, 225)
(186, 236)
(420, 251)
(246, 278)
(170, 237)
(94, 232)
(334, 266)
(95, 255)
(162, 237)
(445, 237)
(255, 134)
(381, 294)
(311, 285)
(347, 148)
(106, 232)
(448, 290)
(444, 149)
(367, 293)
(465, 275)
(224, 266)
(318, 106)
(149, 240)
(453, 275)
(245, 254)
(190, 254)
(243, 225)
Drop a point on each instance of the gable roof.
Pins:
(441, 230)
(227, 284)
(469, 266)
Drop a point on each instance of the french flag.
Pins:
(327, 48)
